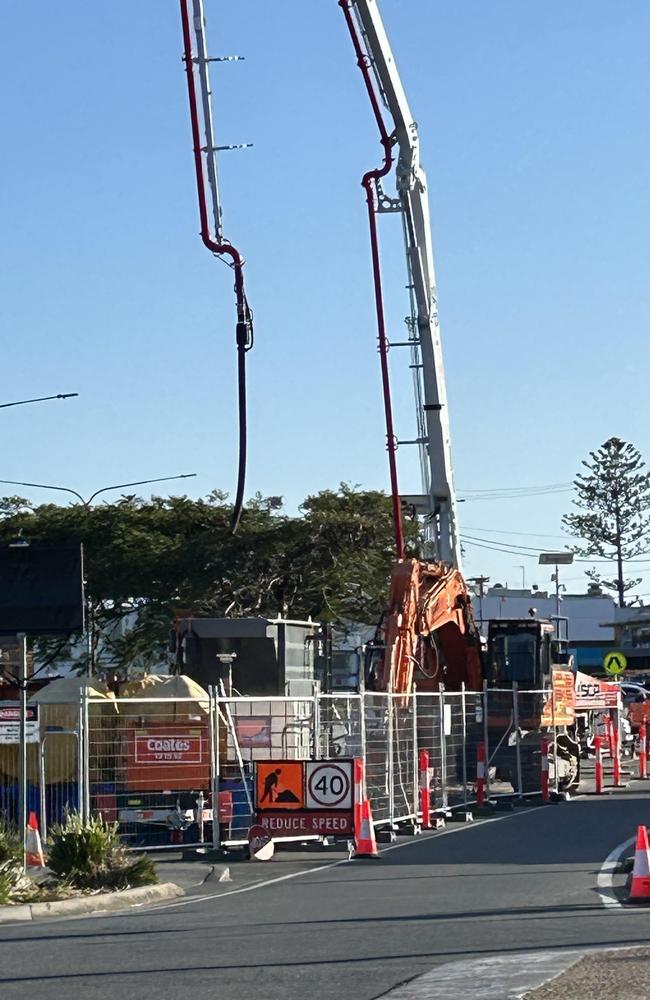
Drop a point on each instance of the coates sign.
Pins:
(592, 694)
(168, 748)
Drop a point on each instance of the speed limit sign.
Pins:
(329, 784)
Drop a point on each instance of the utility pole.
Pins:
(480, 582)
(22, 684)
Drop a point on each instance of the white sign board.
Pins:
(328, 784)
(593, 694)
(10, 725)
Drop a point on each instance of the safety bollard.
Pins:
(643, 759)
(544, 770)
(480, 774)
(425, 794)
(599, 764)
(616, 754)
(358, 793)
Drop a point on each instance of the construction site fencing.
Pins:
(171, 771)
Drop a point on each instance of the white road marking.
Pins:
(344, 861)
(605, 880)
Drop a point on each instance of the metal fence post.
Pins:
(317, 721)
(443, 748)
(515, 723)
(486, 740)
(463, 709)
(391, 763)
(555, 754)
(416, 783)
(80, 753)
(86, 755)
(41, 788)
(214, 767)
(23, 775)
(362, 735)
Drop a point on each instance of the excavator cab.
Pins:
(525, 651)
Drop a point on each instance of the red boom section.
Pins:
(244, 315)
(369, 183)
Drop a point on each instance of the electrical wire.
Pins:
(528, 534)
(531, 553)
(522, 489)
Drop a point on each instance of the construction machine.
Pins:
(427, 635)
(527, 665)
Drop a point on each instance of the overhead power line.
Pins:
(533, 553)
(528, 534)
(522, 489)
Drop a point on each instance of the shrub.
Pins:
(10, 845)
(87, 854)
(15, 886)
(77, 847)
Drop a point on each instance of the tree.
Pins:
(614, 510)
(172, 556)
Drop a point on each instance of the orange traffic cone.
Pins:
(33, 848)
(640, 886)
(364, 836)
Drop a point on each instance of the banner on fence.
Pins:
(593, 694)
(560, 707)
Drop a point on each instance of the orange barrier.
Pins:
(640, 885)
(599, 764)
(33, 848)
(643, 759)
(365, 841)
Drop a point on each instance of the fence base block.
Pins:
(409, 829)
(385, 836)
(462, 816)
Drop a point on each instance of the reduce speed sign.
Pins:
(329, 784)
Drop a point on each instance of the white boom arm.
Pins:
(424, 330)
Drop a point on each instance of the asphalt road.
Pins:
(525, 882)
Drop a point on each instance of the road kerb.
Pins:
(105, 901)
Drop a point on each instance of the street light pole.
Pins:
(86, 503)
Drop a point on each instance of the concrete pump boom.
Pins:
(438, 504)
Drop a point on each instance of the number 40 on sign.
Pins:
(328, 784)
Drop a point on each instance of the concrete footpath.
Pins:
(619, 974)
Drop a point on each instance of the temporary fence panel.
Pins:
(404, 753)
(339, 726)
(378, 729)
(147, 765)
(250, 730)
(429, 736)
(53, 765)
(454, 733)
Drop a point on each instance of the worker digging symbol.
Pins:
(274, 791)
(279, 784)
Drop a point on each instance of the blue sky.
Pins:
(535, 135)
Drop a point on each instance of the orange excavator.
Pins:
(428, 636)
